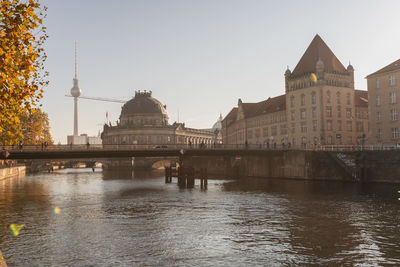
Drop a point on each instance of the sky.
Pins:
(199, 57)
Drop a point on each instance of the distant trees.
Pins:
(22, 74)
(35, 127)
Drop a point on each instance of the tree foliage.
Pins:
(22, 74)
(35, 127)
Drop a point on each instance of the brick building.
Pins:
(320, 106)
(383, 89)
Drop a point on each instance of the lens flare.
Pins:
(15, 228)
(313, 77)
(56, 210)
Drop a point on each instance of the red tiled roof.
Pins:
(392, 66)
(270, 105)
(231, 115)
(361, 98)
(318, 50)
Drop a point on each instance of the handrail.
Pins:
(129, 147)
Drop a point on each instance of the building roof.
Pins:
(392, 66)
(143, 103)
(361, 98)
(317, 50)
(231, 115)
(270, 105)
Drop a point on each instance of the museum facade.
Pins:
(144, 121)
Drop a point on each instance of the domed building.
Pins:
(144, 121)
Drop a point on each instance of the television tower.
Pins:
(76, 92)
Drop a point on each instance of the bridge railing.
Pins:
(122, 147)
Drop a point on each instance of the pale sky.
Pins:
(199, 57)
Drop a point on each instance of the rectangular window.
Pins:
(393, 114)
(339, 123)
(348, 100)
(379, 135)
(283, 129)
(393, 98)
(329, 112)
(329, 125)
(314, 113)
(349, 126)
(378, 116)
(274, 131)
(292, 101)
(328, 97)
(303, 100)
(329, 140)
(395, 133)
(314, 126)
(392, 80)
(313, 98)
(359, 126)
(250, 134)
(377, 82)
(293, 128)
(339, 111)
(378, 100)
(338, 98)
(348, 112)
(303, 114)
(303, 127)
(265, 132)
(257, 132)
(292, 115)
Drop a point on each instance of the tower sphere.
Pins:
(76, 91)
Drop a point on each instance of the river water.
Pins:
(109, 219)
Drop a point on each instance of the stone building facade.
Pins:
(383, 89)
(144, 121)
(320, 106)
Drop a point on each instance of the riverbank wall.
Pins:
(12, 172)
(354, 166)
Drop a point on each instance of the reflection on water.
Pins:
(130, 219)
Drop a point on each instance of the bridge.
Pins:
(350, 163)
(123, 151)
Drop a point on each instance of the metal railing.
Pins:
(126, 147)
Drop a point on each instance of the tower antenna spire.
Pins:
(76, 61)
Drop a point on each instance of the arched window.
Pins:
(292, 101)
(313, 98)
(348, 101)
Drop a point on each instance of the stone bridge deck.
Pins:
(370, 164)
